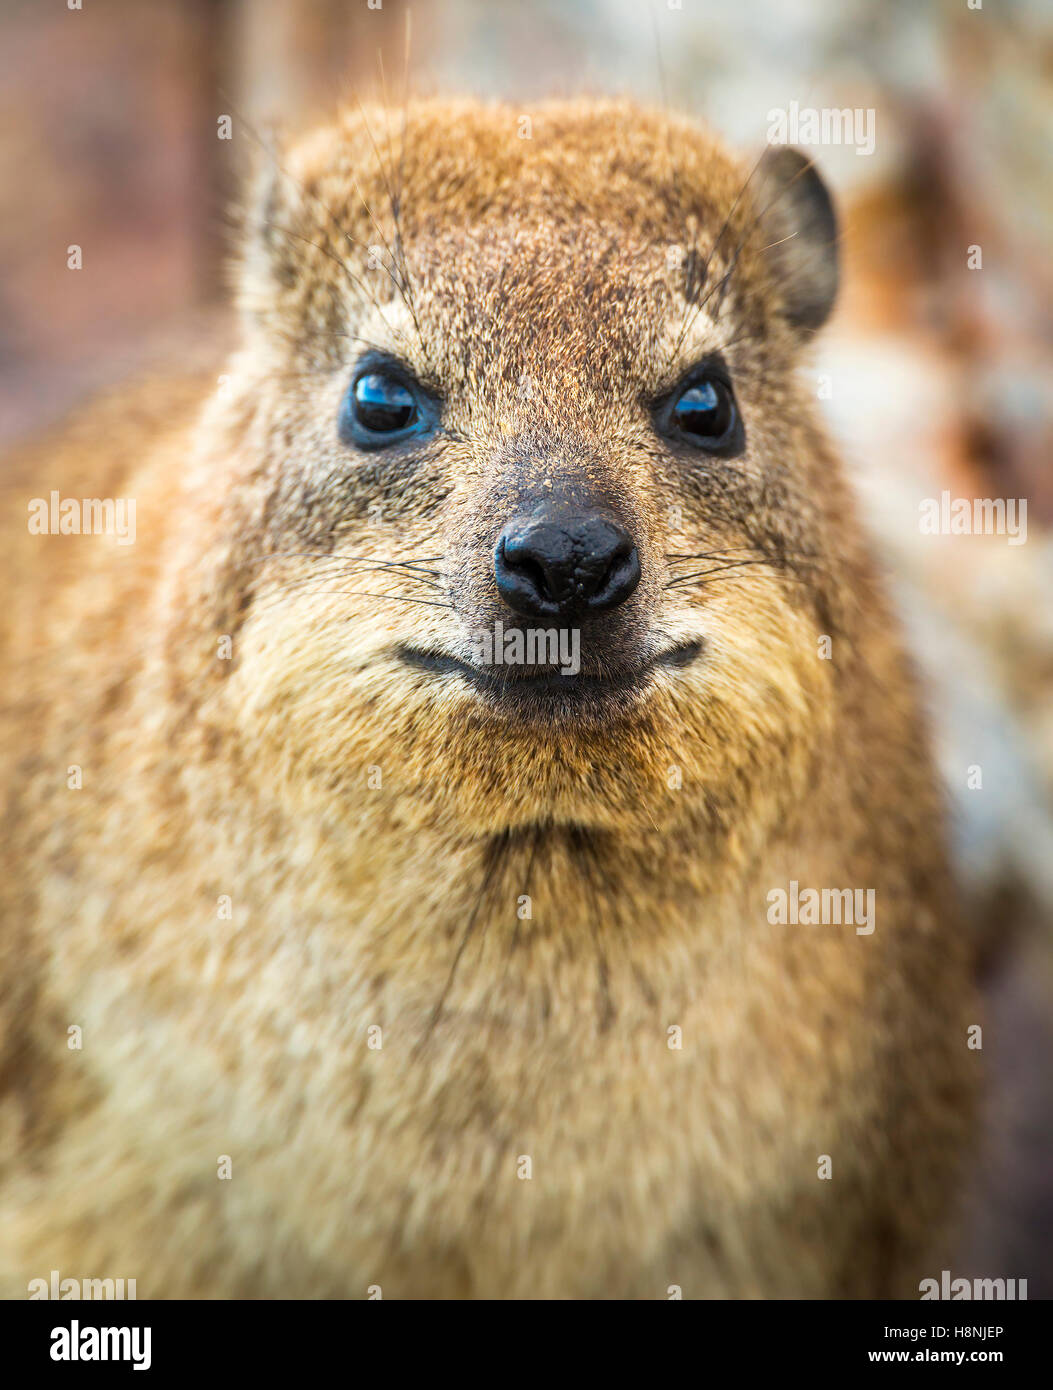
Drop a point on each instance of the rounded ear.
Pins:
(267, 218)
(798, 218)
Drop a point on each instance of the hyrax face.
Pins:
(519, 409)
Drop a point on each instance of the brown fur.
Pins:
(544, 307)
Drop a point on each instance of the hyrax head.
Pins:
(546, 512)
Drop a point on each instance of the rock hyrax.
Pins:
(480, 838)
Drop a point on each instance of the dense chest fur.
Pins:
(524, 1127)
(403, 1164)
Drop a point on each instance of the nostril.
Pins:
(525, 563)
(621, 578)
(521, 578)
(534, 574)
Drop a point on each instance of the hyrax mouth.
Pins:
(550, 690)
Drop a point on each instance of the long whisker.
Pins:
(717, 576)
(351, 560)
(395, 196)
(407, 295)
(673, 170)
(355, 280)
(360, 593)
(337, 333)
(716, 569)
(310, 193)
(757, 554)
(400, 185)
(725, 280)
(337, 573)
(690, 320)
(710, 554)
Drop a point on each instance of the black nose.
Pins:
(571, 564)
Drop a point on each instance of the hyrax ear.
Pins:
(797, 216)
(267, 263)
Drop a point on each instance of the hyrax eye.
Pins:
(383, 404)
(704, 412)
(380, 408)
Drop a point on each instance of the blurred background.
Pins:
(935, 376)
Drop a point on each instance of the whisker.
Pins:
(336, 333)
(352, 593)
(710, 554)
(337, 572)
(690, 321)
(355, 280)
(717, 569)
(716, 576)
(663, 89)
(406, 295)
(309, 193)
(751, 224)
(329, 559)
(395, 197)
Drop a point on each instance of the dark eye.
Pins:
(379, 409)
(704, 413)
